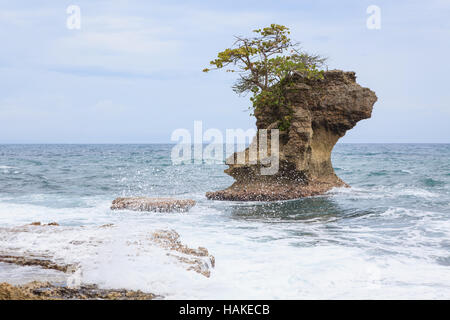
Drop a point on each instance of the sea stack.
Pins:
(320, 112)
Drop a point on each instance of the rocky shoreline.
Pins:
(198, 260)
(47, 291)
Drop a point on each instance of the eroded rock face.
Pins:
(152, 204)
(322, 111)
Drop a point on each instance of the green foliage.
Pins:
(284, 123)
(266, 64)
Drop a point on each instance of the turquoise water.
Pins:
(386, 237)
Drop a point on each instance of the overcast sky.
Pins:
(132, 73)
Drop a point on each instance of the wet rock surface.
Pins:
(198, 260)
(38, 223)
(152, 204)
(321, 111)
(48, 291)
(31, 261)
(270, 191)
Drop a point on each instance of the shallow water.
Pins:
(386, 237)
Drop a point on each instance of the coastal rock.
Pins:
(10, 292)
(31, 261)
(165, 244)
(152, 204)
(46, 291)
(198, 260)
(321, 111)
(38, 223)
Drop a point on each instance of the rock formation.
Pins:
(152, 204)
(47, 291)
(38, 223)
(30, 261)
(198, 260)
(320, 112)
(166, 242)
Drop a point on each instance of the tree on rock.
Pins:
(266, 63)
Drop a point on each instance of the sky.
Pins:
(133, 73)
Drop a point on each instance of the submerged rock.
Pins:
(198, 260)
(38, 261)
(152, 204)
(320, 112)
(38, 223)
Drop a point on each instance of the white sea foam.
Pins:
(248, 264)
(379, 192)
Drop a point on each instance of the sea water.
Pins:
(388, 236)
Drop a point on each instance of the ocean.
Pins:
(388, 236)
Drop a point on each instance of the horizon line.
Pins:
(175, 143)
